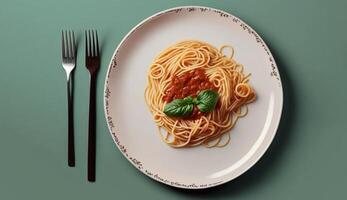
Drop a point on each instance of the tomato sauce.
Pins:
(189, 84)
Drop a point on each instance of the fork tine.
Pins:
(62, 44)
(67, 38)
(67, 53)
(97, 43)
(71, 44)
(86, 42)
(74, 44)
(94, 48)
(90, 44)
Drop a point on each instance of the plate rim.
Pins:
(137, 164)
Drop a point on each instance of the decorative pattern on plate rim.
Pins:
(113, 67)
(273, 69)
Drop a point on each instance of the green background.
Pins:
(307, 159)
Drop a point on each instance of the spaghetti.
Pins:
(225, 76)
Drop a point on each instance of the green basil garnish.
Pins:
(205, 101)
(179, 107)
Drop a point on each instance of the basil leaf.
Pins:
(196, 101)
(207, 100)
(179, 107)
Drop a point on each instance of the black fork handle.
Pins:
(92, 130)
(70, 139)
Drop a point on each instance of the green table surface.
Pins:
(307, 159)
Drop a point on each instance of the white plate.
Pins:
(130, 121)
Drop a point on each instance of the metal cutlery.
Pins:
(69, 63)
(93, 65)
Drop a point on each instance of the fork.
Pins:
(69, 63)
(93, 65)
